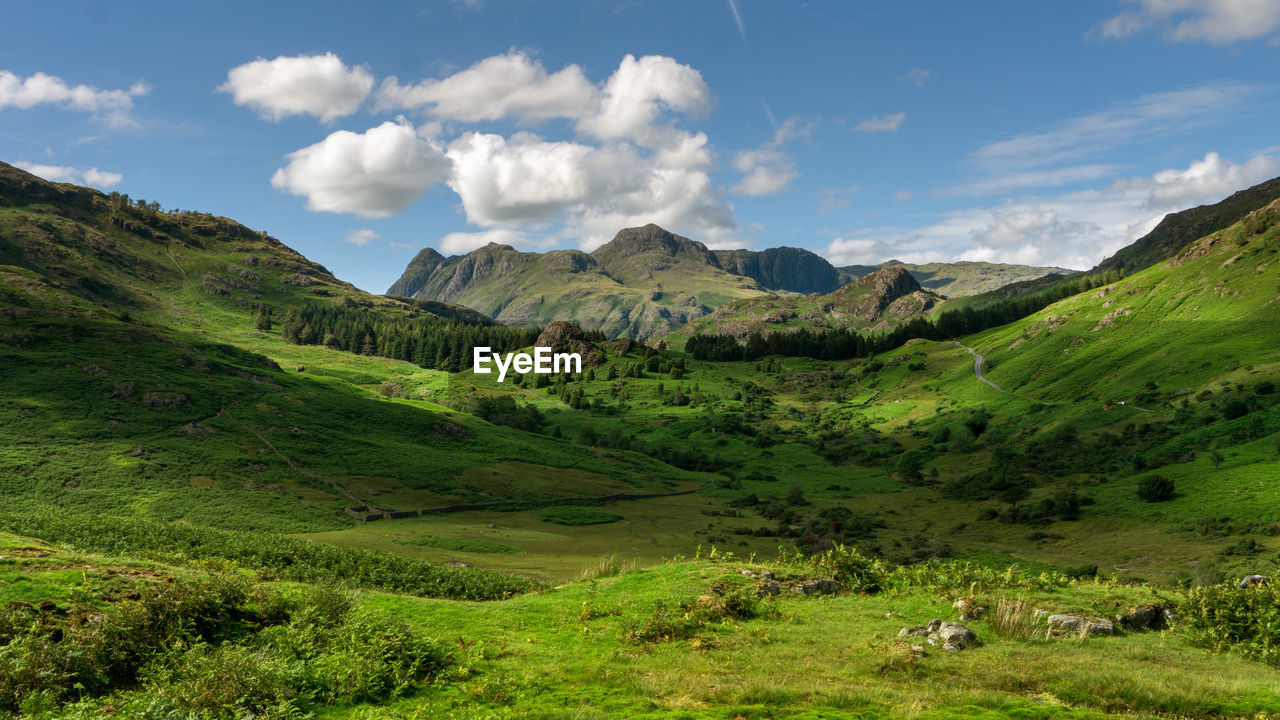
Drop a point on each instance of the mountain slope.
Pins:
(873, 303)
(643, 283)
(958, 279)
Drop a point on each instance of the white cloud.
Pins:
(881, 123)
(767, 170)
(1210, 177)
(373, 174)
(629, 105)
(510, 85)
(919, 76)
(319, 85)
(362, 236)
(506, 183)
(636, 95)
(1150, 116)
(1034, 178)
(460, 243)
(41, 89)
(1218, 22)
(94, 177)
(1075, 229)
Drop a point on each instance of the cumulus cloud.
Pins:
(1218, 22)
(362, 236)
(41, 89)
(1074, 229)
(629, 105)
(318, 85)
(636, 95)
(510, 85)
(881, 123)
(1209, 177)
(373, 174)
(93, 177)
(505, 183)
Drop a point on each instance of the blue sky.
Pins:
(1040, 133)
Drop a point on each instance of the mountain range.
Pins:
(648, 282)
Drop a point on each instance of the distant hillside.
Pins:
(958, 279)
(876, 302)
(644, 283)
(1178, 229)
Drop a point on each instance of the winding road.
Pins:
(977, 366)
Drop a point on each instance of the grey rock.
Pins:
(956, 636)
(1075, 625)
(824, 586)
(914, 631)
(1144, 617)
(766, 574)
(770, 588)
(1251, 580)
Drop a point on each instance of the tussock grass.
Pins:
(1014, 619)
(607, 566)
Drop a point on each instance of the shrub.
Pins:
(569, 515)
(853, 570)
(1224, 617)
(1155, 488)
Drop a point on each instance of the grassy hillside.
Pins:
(146, 374)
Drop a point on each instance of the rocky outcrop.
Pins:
(952, 636)
(783, 268)
(564, 337)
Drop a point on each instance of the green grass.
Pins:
(472, 545)
(573, 516)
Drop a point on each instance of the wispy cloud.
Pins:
(362, 236)
(41, 89)
(737, 18)
(1148, 117)
(881, 123)
(1218, 22)
(767, 170)
(919, 76)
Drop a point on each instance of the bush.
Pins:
(1155, 488)
(1224, 617)
(853, 570)
(568, 515)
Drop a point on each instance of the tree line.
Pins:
(429, 342)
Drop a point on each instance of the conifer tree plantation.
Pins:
(566, 361)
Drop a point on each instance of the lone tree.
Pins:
(1155, 488)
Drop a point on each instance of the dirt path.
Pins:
(340, 489)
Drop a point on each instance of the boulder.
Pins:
(1144, 617)
(769, 588)
(823, 586)
(956, 636)
(1075, 625)
(1251, 580)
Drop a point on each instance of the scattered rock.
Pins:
(300, 368)
(195, 430)
(824, 586)
(1075, 625)
(746, 573)
(1041, 613)
(772, 587)
(165, 400)
(766, 574)
(1145, 617)
(1251, 580)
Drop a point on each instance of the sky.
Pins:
(1003, 131)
